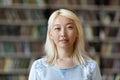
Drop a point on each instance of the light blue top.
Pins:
(42, 71)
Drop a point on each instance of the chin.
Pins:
(64, 46)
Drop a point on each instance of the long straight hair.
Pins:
(79, 48)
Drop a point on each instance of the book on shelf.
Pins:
(14, 15)
(8, 64)
(8, 15)
(34, 32)
(110, 49)
(110, 64)
(3, 30)
(42, 30)
(22, 77)
(107, 77)
(90, 2)
(6, 2)
(118, 33)
(14, 77)
(116, 64)
(19, 15)
(110, 77)
(13, 30)
(17, 1)
(9, 48)
(96, 31)
(26, 48)
(41, 2)
(113, 32)
(88, 32)
(1, 48)
(9, 30)
(105, 18)
(18, 48)
(83, 2)
(2, 63)
(116, 48)
(106, 49)
(117, 77)
(37, 47)
(114, 2)
(116, 17)
(2, 14)
(104, 2)
(21, 48)
(25, 31)
(21, 63)
(31, 1)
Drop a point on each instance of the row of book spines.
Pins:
(9, 64)
(108, 50)
(21, 48)
(111, 77)
(36, 31)
(101, 32)
(85, 2)
(29, 14)
(14, 77)
(101, 2)
(104, 17)
(23, 30)
(11, 2)
(17, 15)
(112, 64)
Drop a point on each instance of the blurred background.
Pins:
(23, 25)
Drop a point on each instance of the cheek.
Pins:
(54, 36)
(73, 37)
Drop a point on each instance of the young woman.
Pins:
(65, 58)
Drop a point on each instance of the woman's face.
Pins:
(64, 32)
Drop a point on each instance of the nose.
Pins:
(63, 32)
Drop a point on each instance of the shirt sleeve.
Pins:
(33, 75)
(96, 73)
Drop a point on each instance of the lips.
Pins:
(64, 40)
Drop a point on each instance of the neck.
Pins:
(64, 53)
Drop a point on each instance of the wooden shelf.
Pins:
(107, 40)
(110, 71)
(24, 6)
(23, 22)
(111, 56)
(19, 55)
(14, 72)
(21, 38)
(56, 6)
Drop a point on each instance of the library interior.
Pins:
(23, 26)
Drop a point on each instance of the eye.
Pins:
(70, 26)
(57, 28)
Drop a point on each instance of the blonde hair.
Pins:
(50, 49)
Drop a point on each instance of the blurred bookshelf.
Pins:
(23, 25)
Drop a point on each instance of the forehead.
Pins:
(62, 19)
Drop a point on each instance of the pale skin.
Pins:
(64, 35)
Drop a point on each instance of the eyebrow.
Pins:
(66, 24)
(69, 23)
